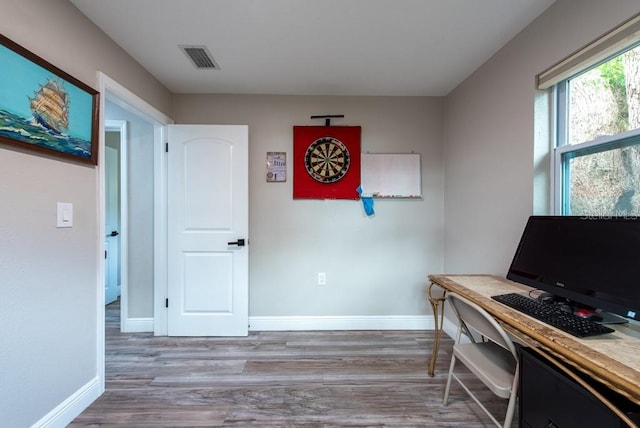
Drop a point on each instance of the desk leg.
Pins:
(437, 304)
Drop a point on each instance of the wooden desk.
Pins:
(613, 359)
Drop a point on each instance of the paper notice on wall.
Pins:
(276, 166)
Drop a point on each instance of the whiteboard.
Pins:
(391, 175)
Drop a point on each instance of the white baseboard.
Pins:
(138, 325)
(292, 323)
(450, 328)
(417, 322)
(70, 408)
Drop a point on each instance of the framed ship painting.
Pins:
(44, 109)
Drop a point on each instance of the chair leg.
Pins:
(446, 390)
(512, 399)
(510, 410)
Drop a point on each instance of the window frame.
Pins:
(554, 80)
(561, 148)
(561, 168)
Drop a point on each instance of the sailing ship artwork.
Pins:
(44, 109)
(50, 106)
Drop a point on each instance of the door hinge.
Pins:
(166, 147)
(105, 254)
(166, 302)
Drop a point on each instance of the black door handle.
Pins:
(239, 243)
(114, 233)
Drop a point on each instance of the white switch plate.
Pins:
(322, 278)
(64, 214)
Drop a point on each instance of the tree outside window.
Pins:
(603, 179)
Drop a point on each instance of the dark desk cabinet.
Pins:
(550, 399)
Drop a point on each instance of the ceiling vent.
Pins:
(200, 57)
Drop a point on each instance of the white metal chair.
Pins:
(493, 360)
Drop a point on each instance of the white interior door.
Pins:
(112, 224)
(208, 222)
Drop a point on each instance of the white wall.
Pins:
(49, 276)
(375, 266)
(489, 135)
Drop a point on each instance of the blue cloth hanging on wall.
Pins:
(367, 202)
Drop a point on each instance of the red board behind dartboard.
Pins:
(326, 162)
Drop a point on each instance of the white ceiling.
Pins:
(314, 47)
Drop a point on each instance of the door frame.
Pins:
(115, 92)
(120, 126)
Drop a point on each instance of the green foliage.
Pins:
(613, 74)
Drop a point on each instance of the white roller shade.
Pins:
(625, 35)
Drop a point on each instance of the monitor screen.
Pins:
(593, 261)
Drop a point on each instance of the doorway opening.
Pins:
(115, 171)
(142, 211)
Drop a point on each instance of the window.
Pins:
(597, 157)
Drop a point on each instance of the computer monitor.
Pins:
(591, 261)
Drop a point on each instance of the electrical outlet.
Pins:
(322, 278)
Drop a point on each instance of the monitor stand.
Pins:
(609, 318)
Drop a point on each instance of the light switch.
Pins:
(65, 214)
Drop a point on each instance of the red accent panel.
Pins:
(304, 186)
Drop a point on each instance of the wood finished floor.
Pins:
(280, 379)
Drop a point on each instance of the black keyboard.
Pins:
(553, 315)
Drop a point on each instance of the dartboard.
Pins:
(327, 160)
